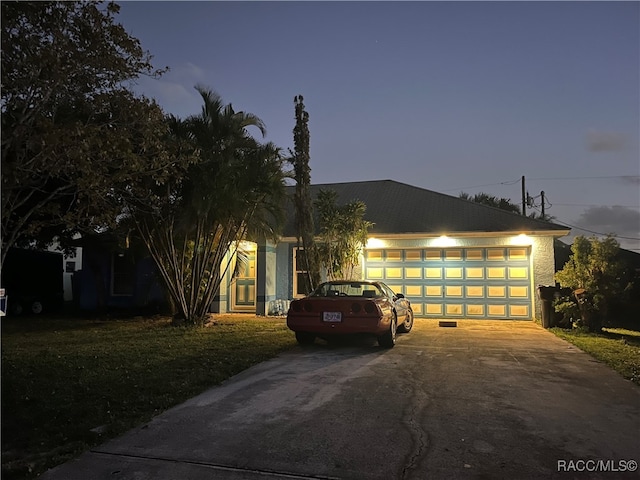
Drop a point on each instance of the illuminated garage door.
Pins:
(457, 282)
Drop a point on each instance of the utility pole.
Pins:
(542, 195)
(524, 199)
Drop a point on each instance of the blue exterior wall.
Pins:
(92, 284)
(265, 278)
(284, 274)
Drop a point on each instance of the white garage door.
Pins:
(457, 282)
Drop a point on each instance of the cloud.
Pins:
(606, 141)
(631, 180)
(175, 90)
(616, 220)
(185, 73)
(623, 221)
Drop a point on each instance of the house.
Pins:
(451, 257)
(113, 276)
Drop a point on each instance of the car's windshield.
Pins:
(347, 289)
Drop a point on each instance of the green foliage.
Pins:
(503, 204)
(73, 135)
(232, 188)
(594, 274)
(618, 348)
(343, 234)
(63, 378)
(570, 312)
(492, 201)
(305, 229)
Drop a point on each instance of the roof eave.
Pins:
(415, 235)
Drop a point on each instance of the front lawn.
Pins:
(69, 384)
(617, 347)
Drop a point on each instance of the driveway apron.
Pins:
(484, 399)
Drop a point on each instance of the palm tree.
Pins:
(492, 201)
(233, 190)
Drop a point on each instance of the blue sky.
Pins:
(448, 96)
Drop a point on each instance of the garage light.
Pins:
(444, 241)
(522, 239)
(375, 243)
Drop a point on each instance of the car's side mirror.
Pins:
(399, 295)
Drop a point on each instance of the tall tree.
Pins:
(305, 227)
(343, 234)
(232, 189)
(71, 130)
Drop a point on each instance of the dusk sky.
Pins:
(447, 96)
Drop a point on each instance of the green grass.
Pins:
(617, 347)
(68, 385)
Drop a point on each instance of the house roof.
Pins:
(398, 208)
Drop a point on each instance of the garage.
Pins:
(451, 257)
(478, 282)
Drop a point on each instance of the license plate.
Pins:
(332, 316)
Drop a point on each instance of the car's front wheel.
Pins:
(388, 339)
(407, 325)
(305, 338)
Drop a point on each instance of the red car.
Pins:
(347, 307)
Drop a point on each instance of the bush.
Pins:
(594, 274)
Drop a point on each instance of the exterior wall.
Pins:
(92, 283)
(543, 268)
(284, 270)
(221, 303)
(266, 278)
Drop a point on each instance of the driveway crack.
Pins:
(419, 436)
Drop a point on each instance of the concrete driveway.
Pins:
(484, 400)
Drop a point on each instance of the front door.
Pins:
(243, 287)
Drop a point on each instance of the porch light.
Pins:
(247, 246)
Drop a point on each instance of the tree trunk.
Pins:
(591, 318)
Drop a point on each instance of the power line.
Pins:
(509, 182)
(586, 178)
(517, 180)
(549, 204)
(594, 205)
(581, 228)
(594, 232)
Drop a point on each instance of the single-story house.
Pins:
(114, 276)
(452, 258)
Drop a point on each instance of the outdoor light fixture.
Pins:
(247, 246)
(522, 239)
(375, 243)
(444, 241)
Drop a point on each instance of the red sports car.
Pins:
(347, 307)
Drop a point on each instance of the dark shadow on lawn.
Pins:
(629, 339)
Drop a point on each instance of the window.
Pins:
(123, 274)
(70, 267)
(301, 285)
(350, 289)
